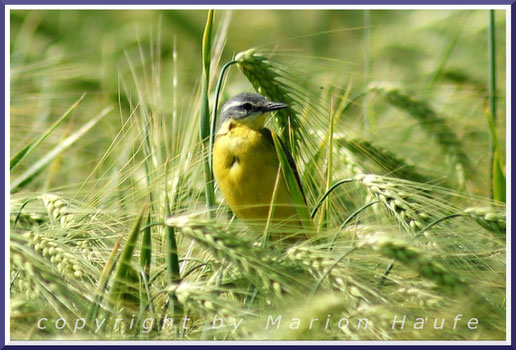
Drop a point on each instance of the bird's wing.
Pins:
(291, 162)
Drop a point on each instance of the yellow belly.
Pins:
(245, 166)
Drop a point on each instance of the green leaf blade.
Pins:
(293, 186)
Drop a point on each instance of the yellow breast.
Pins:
(245, 166)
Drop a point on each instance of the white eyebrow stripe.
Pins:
(232, 104)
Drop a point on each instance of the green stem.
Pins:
(355, 213)
(214, 114)
(492, 65)
(205, 111)
(369, 118)
(492, 88)
(21, 209)
(432, 224)
(335, 185)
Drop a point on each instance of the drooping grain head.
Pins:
(265, 76)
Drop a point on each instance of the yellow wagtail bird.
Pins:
(246, 165)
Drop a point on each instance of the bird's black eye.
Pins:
(247, 106)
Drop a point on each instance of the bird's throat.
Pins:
(253, 122)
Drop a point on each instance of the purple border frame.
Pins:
(226, 2)
(257, 2)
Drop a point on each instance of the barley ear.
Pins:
(263, 74)
(488, 218)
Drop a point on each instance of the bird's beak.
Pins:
(274, 106)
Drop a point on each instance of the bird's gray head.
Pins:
(246, 107)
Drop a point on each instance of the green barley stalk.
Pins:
(329, 167)
(497, 175)
(213, 126)
(146, 256)
(327, 193)
(171, 258)
(498, 181)
(205, 110)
